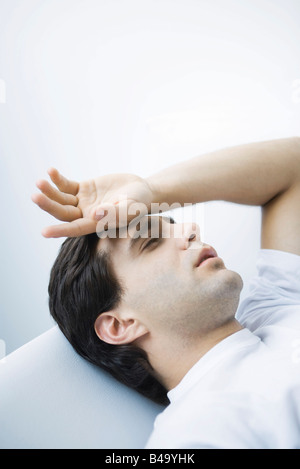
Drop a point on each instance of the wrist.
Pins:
(162, 190)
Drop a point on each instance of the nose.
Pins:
(188, 235)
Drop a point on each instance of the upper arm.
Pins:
(281, 217)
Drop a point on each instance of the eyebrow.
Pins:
(134, 241)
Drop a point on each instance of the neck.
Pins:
(171, 361)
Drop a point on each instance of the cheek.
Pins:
(154, 293)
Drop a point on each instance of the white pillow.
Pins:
(50, 397)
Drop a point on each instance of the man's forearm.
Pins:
(249, 174)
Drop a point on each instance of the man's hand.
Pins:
(82, 204)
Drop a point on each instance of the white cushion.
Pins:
(50, 397)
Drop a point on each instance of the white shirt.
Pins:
(245, 392)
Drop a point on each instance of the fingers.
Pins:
(53, 194)
(61, 212)
(62, 204)
(80, 227)
(62, 183)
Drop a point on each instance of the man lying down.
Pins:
(161, 312)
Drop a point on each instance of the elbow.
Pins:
(296, 159)
(297, 143)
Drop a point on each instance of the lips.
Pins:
(206, 253)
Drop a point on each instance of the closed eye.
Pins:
(150, 243)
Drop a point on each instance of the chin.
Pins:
(230, 284)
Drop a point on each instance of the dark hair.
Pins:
(82, 286)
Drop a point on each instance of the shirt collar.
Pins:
(216, 354)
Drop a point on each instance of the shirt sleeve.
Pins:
(274, 293)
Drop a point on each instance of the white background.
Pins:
(101, 86)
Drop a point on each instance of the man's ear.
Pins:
(113, 329)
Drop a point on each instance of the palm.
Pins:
(110, 190)
(77, 203)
